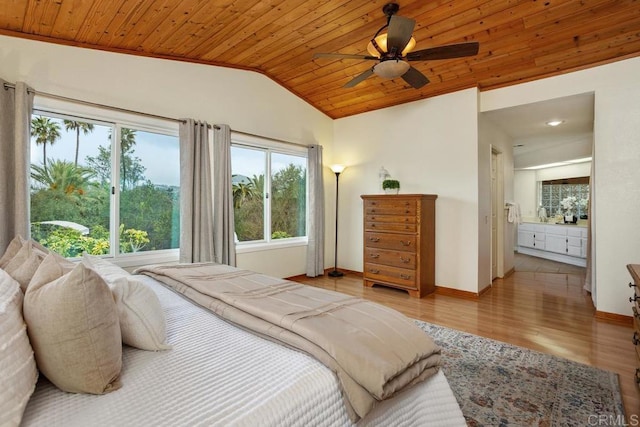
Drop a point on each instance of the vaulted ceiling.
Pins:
(520, 40)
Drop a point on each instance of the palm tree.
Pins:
(127, 141)
(45, 131)
(86, 128)
(64, 177)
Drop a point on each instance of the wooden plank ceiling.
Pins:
(520, 40)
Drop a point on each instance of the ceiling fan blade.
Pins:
(415, 78)
(342, 56)
(359, 78)
(399, 33)
(445, 52)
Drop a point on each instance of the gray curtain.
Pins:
(15, 118)
(223, 222)
(315, 227)
(196, 197)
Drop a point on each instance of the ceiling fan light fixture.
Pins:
(381, 40)
(391, 69)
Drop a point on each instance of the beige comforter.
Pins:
(375, 351)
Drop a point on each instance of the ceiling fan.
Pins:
(393, 50)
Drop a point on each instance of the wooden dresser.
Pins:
(400, 241)
(634, 269)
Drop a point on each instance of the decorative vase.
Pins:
(391, 190)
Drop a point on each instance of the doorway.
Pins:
(497, 215)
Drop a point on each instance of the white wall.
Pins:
(245, 100)
(491, 137)
(617, 175)
(430, 146)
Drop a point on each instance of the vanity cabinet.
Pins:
(399, 242)
(557, 242)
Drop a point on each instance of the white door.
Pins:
(494, 215)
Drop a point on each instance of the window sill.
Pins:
(243, 248)
(146, 258)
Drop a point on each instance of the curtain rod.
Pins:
(154, 116)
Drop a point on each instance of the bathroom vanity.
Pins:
(558, 242)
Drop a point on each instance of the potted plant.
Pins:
(391, 186)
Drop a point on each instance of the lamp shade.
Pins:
(338, 168)
(381, 41)
(391, 69)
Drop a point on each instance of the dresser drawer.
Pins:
(635, 299)
(394, 258)
(402, 277)
(389, 207)
(390, 226)
(401, 242)
(391, 218)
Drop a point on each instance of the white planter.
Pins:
(391, 190)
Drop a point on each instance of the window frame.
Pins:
(270, 146)
(61, 109)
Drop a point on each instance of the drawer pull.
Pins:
(375, 255)
(407, 243)
(374, 271)
(373, 210)
(407, 211)
(373, 225)
(374, 239)
(636, 339)
(633, 298)
(405, 276)
(632, 285)
(405, 260)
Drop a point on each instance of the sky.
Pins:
(158, 153)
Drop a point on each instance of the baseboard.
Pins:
(614, 318)
(457, 293)
(509, 273)
(326, 272)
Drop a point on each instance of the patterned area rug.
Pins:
(499, 384)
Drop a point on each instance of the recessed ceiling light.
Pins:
(554, 122)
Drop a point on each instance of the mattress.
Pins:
(218, 374)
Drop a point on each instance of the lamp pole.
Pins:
(337, 169)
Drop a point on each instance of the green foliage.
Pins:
(63, 176)
(280, 235)
(288, 205)
(132, 240)
(390, 183)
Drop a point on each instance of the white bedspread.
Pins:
(217, 374)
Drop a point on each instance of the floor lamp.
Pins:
(337, 169)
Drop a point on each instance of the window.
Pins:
(269, 192)
(75, 206)
(553, 192)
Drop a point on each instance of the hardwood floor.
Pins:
(547, 312)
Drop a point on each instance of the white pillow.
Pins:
(18, 371)
(109, 271)
(74, 330)
(142, 320)
(24, 263)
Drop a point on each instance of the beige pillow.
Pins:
(25, 263)
(18, 372)
(14, 247)
(74, 330)
(142, 320)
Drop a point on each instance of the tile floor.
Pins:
(540, 265)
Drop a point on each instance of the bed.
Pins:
(212, 372)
